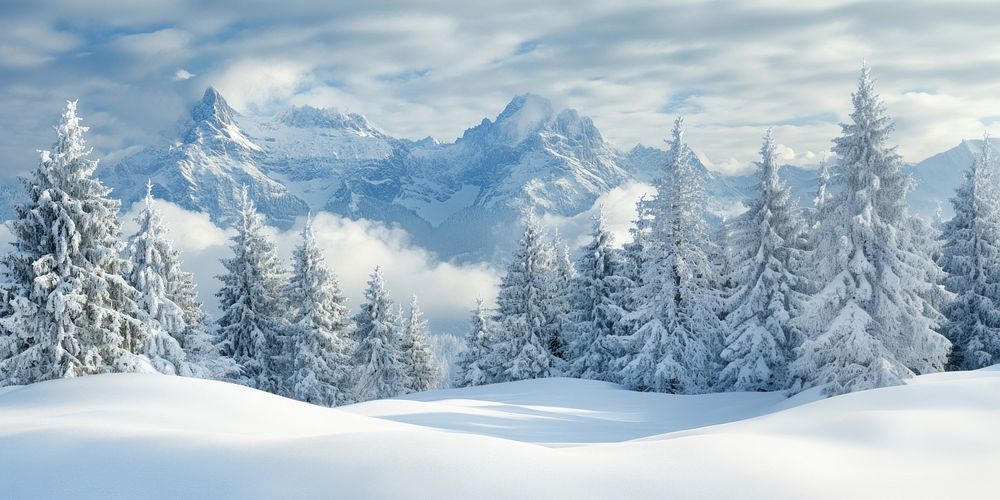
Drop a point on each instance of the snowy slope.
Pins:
(135, 436)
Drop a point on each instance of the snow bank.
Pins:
(148, 436)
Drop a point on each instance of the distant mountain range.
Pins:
(460, 200)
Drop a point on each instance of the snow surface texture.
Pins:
(148, 436)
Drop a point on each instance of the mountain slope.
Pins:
(148, 436)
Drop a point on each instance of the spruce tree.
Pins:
(769, 243)
(73, 311)
(822, 186)
(557, 306)
(872, 322)
(971, 258)
(677, 329)
(595, 309)
(378, 359)
(634, 253)
(320, 330)
(155, 267)
(252, 328)
(417, 354)
(522, 310)
(477, 364)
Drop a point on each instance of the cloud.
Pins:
(183, 74)
(447, 292)
(255, 86)
(438, 68)
(161, 43)
(29, 43)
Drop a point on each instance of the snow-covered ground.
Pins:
(147, 436)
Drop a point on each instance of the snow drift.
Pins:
(148, 436)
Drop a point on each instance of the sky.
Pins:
(438, 67)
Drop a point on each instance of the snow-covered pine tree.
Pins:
(871, 324)
(198, 341)
(937, 222)
(73, 311)
(477, 364)
(634, 255)
(677, 330)
(722, 255)
(769, 245)
(971, 258)
(417, 353)
(320, 328)
(595, 309)
(557, 306)
(378, 359)
(155, 267)
(522, 310)
(822, 186)
(252, 328)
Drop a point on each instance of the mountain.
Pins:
(205, 170)
(461, 200)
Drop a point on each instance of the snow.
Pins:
(237, 136)
(150, 436)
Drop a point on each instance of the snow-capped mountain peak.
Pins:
(214, 124)
(523, 117)
(212, 107)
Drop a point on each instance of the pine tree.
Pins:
(822, 187)
(320, 328)
(872, 322)
(937, 223)
(557, 306)
(522, 310)
(595, 309)
(769, 244)
(677, 329)
(477, 364)
(252, 328)
(635, 251)
(971, 257)
(155, 267)
(382, 371)
(417, 353)
(72, 312)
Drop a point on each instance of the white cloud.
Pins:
(183, 74)
(254, 85)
